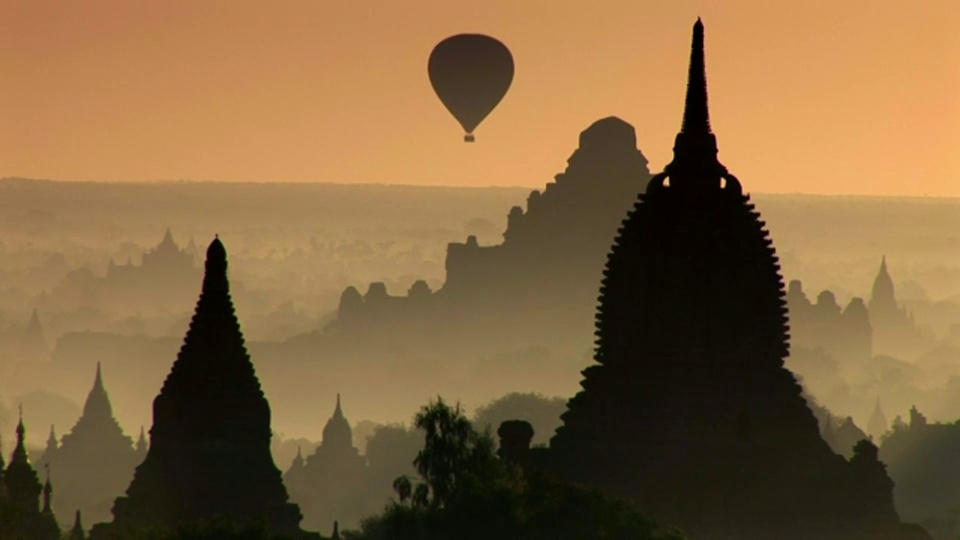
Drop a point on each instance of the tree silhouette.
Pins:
(467, 493)
(451, 448)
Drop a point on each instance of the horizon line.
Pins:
(10, 179)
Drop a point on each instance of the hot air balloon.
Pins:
(470, 74)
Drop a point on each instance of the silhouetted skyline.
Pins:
(712, 397)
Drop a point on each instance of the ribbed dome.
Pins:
(689, 410)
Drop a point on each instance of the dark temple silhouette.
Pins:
(21, 517)
(689, 410)
(209, 455)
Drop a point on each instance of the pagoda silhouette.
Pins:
(20, 491)
(95, 460)
(689, 410)
(321, 484)
(209, 457)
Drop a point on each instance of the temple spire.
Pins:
(98, 405)
(77, 532)
(47, 491)
(20, 451)
(52, 439)
(142, 442)
(695, 166)
(696, 116)
(98, 379)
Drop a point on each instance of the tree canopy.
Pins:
(465, 491)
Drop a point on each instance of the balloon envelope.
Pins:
(470, 74)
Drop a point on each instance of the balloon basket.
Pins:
(468, 137)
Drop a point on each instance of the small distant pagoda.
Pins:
(209, 457)
(895, 331)
(318, 483)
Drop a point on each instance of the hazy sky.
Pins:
(825, 96)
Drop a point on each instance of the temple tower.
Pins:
(95, 460)
(337, 434)
(23, 485)
(141, 448)
(334, 468)
(689, 410)
(883, 297)
(23, 494)
(895, 332)
(209, 455)
(77, 533)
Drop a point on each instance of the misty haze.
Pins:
(607, 330)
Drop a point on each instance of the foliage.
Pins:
(466, 492)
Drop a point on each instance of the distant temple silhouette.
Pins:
(858, 331)
(21, 516)
(318, 483)
(844, 333)
(165, 278)
(878, 425)
(95, 460)
(209, 455)
(540, 282)
(689, 410)
(895, 332)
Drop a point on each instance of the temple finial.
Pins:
(20, 429)
(696, 116)
(77, 531)
(215, 274)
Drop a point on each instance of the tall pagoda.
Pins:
(689, 410)
(209, 457)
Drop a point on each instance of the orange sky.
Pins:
(825, 96)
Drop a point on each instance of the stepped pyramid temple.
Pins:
(540, 282)
(94, 461)
(21, 517)
(689, 410)
(209, 457)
